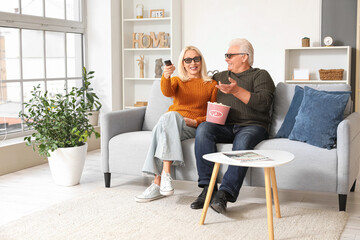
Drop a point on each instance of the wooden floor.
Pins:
(32, 189)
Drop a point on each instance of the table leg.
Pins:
(275, 192)
(209, 193)
(269, 203)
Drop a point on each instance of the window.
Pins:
(41, 42)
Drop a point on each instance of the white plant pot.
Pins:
(93, 119)
(67, 164)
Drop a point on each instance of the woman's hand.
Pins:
(190, 122)
(168, 70)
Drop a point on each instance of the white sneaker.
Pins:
(166, 187)
(150, 194)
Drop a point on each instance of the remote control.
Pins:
(168, 62)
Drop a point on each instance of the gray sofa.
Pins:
(126, 135)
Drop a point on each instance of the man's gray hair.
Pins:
(244, 47)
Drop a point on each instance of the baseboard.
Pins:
(18, 156)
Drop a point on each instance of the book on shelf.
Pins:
(247, 157)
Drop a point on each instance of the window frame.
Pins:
(42, 23)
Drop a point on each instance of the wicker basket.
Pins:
(331, 74)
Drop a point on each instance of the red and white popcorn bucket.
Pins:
(217, 113)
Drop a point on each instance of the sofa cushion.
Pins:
(158, 104)
(318, 117)
(284, 94)
(289, 120)
(313, 168)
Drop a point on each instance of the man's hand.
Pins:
(231, 88)
(190, 122)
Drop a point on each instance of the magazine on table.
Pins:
(247, 157)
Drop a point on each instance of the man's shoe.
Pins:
(200, 200)
(150, 194)
(219, 202)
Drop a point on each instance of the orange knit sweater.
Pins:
(191, 97)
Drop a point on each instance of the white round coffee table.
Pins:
(273, 158)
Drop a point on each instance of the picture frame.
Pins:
(157, 13)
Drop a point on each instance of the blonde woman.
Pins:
(191, 91)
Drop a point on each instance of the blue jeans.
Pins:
(242, 137)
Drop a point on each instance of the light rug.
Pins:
(113, 214)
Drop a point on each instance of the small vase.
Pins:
(67, 164)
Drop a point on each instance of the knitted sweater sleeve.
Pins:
(168, 86)
(262, 97)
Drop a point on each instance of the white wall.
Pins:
(270, 25)
(103, 44)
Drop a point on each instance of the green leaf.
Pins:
(60, 121)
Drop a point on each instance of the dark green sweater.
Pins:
(261, 86)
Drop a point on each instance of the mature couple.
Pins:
(248, 91)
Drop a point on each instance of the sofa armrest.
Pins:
(117, 122)
(348, 145)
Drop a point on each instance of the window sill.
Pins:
(14, 138)
(15, 155)
(12, 141)
(18, 138)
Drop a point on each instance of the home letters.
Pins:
(142, 40)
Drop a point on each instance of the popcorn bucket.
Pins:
(217, 113)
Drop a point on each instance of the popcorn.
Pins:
(217, 103)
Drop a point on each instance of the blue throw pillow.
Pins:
(289, 120)
(319, 115)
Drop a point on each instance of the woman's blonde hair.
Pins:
(181, 69)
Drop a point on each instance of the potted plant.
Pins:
(92, 100)
(62, 130)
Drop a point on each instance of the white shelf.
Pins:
(318, 48)
(147, 19)
(134, 88)
(146, 49)
(315, 58)
(141, 79)
(129, 107)
(314, 81)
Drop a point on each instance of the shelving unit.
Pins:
(315, 58)
(136, 88)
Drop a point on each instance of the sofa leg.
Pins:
(353, 187)
(342, 202)
(107, 177)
